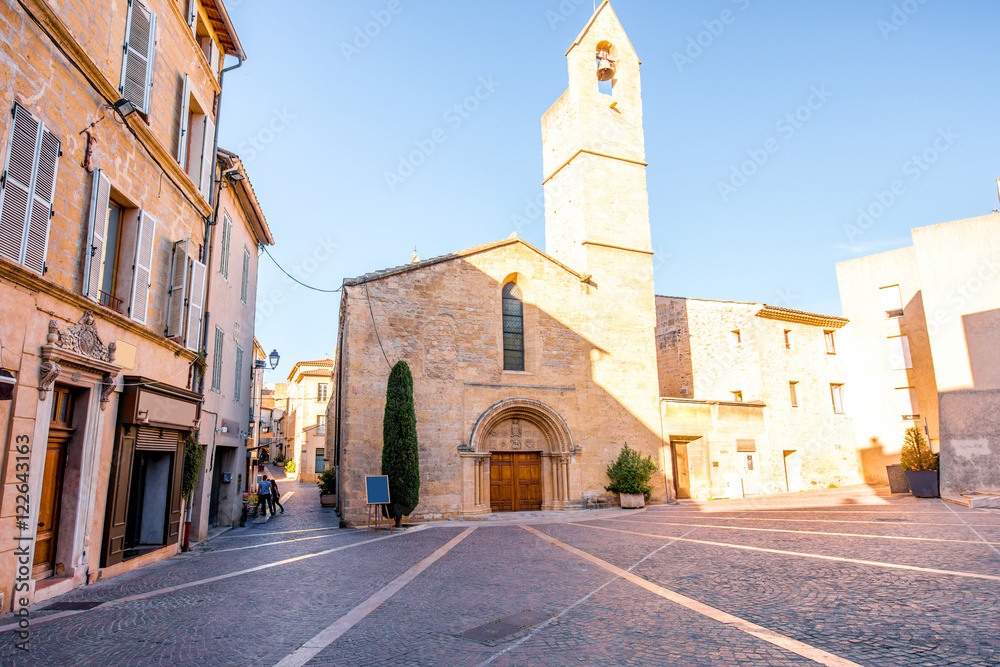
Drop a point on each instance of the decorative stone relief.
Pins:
(82, 338)
(47, 372)
(79, 347)
(515, 435)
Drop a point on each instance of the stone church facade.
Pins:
(531, 369)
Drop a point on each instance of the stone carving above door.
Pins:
(516, 434)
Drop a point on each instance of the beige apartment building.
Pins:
(230, 384)
(754, 398)
(925, 322)
(304, 424)
(109, 160)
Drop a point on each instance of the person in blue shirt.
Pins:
(264, 496)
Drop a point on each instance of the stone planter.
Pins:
(923, 483)
(328, 500)
(632, 500)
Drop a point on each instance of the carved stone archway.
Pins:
(518, 424)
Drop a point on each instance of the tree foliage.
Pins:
(400, 456)
(194, 456)
(631, 473)
(916, 454)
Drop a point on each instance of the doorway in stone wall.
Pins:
(682, 469)
(515, 481)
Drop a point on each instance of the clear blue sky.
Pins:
(899, 79)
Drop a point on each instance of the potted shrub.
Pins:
(327, 484)
(630, 475)
(290, 467)
(919, 463)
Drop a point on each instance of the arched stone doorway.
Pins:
(522, 443)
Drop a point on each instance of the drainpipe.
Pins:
(211, 221)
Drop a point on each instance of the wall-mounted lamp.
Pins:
(274, 358)
(124, 107)
(233, 175)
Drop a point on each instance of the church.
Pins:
(532, 368)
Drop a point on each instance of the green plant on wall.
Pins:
(916, 454)
(194, 456)
(630, 473)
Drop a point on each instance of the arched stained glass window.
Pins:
(513, 328)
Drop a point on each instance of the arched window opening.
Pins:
(513, 328)
(606, 68)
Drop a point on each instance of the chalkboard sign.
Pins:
(377, 490)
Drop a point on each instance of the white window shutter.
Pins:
(182, 134)
(196, 305)
(193, 15)
(227, 232)
(142, 267)
(137, 66)
(207, 157)
(214, 59)
(37, 242)
(178, 289)
(244, 288)
(100, 200)
(22, 156)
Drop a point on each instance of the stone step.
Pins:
(974, 500)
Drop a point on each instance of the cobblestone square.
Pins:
(809, 579)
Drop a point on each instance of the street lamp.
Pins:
(274, 358)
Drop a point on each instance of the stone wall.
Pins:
(586, 359)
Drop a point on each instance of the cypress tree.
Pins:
(400, 457)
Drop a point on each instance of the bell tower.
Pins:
(596, 204)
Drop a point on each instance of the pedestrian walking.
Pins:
(264, 496)
(276, 497)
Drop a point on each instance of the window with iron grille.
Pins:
(513, 328)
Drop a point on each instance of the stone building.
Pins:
(308, 393)
(230, 350)
(531, 369)
(926, 330)
(109, 159)
(753, 398)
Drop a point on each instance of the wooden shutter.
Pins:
(175, 502)
(193, 16)
(182, 133)
(196, 305)
(44, 191)
(244, 288)
(178, 289)
(19, 169)
(100, 200)
(137, 67)
(207, 158)
(142, 267)
(238, 384)
(217, 360)
(116, 510)
(227, 232)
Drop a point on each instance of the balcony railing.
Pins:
(109, 301)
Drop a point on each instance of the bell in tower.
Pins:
(605, 66)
